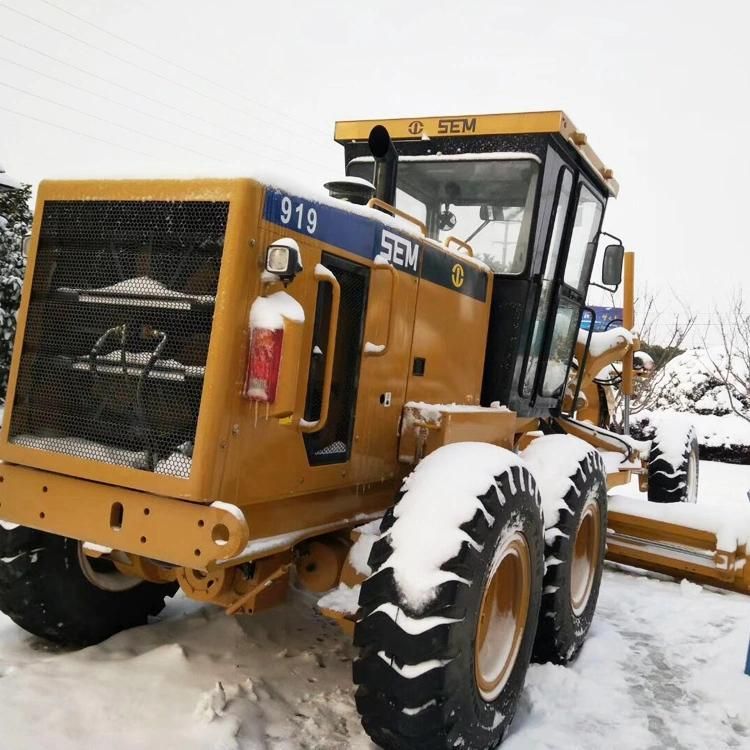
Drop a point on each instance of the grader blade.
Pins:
(681, 540)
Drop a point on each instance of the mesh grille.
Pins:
(117, 333)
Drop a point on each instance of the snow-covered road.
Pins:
(663, 668)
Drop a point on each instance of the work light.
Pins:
(283, 259)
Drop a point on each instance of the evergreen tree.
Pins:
(15, 223)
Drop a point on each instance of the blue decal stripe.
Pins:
(357, 234)
(333, 226)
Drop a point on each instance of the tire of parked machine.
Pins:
(449, 674)
(46, 588)
(574, 555)
(673, 465)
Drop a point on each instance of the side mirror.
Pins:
(283, 259)
(612, 265)
(25, 242)
(491, 213)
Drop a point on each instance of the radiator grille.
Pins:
(114, 351)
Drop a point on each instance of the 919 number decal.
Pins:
(299, 216)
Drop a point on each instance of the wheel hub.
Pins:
(585, 554)
(502, 615)
(104, 575)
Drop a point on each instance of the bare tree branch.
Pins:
(732, 368)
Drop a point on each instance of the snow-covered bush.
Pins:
(15, 223)
(691, 383)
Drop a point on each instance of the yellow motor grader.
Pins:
(380, 392)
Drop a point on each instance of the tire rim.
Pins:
(502, 615)
(585, 554)
(109, 580)
(692, 479)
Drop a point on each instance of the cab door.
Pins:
(371, 360)
(578, 213)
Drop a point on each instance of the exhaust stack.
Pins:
(386, 164)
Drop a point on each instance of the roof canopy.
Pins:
(407, 128)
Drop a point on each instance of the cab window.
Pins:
(487, 202)
(583, 240)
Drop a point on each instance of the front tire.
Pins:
(448, 671)
(44, 590)
(673, 464)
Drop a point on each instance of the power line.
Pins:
(185, 69)
(159, 102)
(107, 120)
(142, 112)
(76, 132)
(135, 65)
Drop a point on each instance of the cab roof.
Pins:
(518, 123)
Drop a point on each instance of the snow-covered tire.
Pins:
(423, 680)
(43, 589)
(673, 464)
(575, 506)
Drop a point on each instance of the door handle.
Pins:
(378, 350)
(324, 276)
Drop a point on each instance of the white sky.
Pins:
(660, 87)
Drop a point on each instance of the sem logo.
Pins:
(399, 251)
(457, 276)
(457, 125)
(416, 127)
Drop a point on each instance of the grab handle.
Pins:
(456, 241)
(377, 203)
(324, 276)
(379, 351)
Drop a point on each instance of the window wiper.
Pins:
(477, 231)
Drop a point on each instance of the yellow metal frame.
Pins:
(161, 528)
(674, 549)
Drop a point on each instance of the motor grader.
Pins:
(380, 392)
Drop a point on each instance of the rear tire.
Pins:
(575, 540)
(449, 673)
(44, 590)
(673, 465)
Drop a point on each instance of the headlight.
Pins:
(277, 259)
(283, 259)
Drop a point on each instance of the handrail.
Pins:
(377, 203)
(324, 276)
(465, 245)
(379, 352)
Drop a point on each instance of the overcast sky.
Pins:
(660, 87)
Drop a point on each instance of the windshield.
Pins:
(486, 201)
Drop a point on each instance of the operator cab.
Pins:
(528, 194)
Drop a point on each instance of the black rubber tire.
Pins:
(445, 708)
(44, 591)
(561, 631)
(670, 483)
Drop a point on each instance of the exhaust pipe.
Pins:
(386, 164)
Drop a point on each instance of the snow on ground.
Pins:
(662, 668)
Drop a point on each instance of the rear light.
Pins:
(263, 361)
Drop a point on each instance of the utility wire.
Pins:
(184, 112)
(142, 112)
(137, 66)
(194, 73)
(107, 121)
(76, 132)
